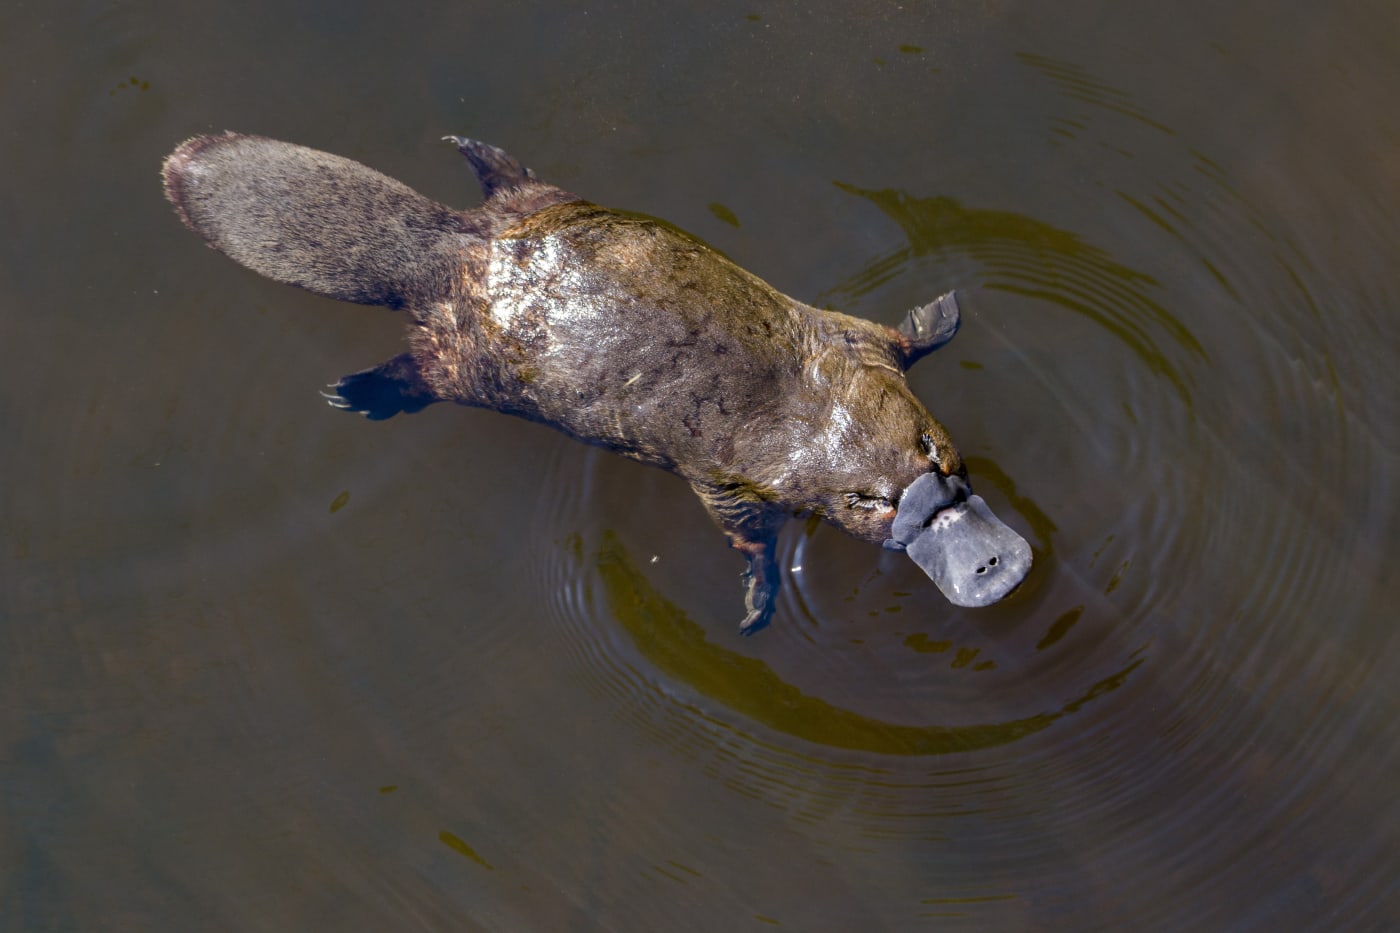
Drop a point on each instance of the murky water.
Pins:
(267, 666)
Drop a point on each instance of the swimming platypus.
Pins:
(625, 332)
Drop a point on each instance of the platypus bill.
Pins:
(621, 331)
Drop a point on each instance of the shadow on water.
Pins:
(680, 650)
(988, 470)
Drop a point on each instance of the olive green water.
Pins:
(264, 665)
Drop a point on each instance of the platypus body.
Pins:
(621, 331)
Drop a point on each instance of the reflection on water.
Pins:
(748, 688)
(1027, 257)
(265, 666)
(1076, 83)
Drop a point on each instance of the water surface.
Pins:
(264, 665)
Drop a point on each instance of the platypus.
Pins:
(619, 330)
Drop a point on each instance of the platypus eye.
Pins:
(930, 450)
(857, 500)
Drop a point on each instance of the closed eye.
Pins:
(856, 500)
(930, 449)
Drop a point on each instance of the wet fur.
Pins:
(615, 328)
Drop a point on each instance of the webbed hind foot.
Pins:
(494, 168)
(384, 391)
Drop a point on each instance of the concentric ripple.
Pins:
(1192, 510)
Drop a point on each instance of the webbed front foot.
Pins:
(384, 391)
(761, 582)
(751, 524)
(928, 327)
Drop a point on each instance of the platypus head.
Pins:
(892, 475)
(953, 536)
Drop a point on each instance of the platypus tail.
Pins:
(308, 218)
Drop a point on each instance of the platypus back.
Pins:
(308, 218)
(624, 332)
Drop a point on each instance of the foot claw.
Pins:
(336, 401)
(381, 392)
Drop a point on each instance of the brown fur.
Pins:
(615, 328)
